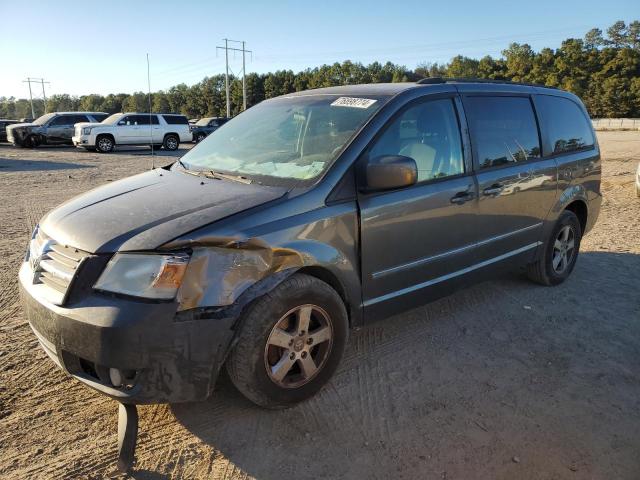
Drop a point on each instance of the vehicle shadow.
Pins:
(495, 381)
(146, 151)
(22, 165)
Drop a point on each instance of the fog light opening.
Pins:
(122, 378)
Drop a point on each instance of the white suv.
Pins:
(161, 130)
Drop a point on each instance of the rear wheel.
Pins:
(200, 137)
(105, 144)
(171, 142)
(291, 342)
(560, 252)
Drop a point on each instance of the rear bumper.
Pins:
(164, 357)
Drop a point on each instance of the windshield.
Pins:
(203, 122)
(292, 138)
(43, 119)
(112, 119)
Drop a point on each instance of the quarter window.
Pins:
(568, 128)
(429, 133)
(503, 130)
(176, 119)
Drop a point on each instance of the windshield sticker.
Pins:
(353, 102)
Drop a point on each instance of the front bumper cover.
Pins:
(176, 357)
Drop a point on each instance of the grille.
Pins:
(54, 265)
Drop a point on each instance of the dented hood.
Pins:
(147, 210)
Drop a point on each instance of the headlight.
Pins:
(144, 275)
(86, 130)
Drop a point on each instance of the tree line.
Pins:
(601, 68)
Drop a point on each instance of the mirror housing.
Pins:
(388, 172)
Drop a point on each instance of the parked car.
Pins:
(4, 123)
(50, 129)
(161, 130)
(26, 120)
(205, 126)
(304, 216)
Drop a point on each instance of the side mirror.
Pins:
(388, 172)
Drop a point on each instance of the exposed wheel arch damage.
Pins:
(579, 207)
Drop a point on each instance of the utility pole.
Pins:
(226, 75)
(244, 81)
(244, 51)
(44, 96)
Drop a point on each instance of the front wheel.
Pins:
(291, 342)
(200, 137)
(32, 141)
(171, 142)
(105, 144)
(560, 252)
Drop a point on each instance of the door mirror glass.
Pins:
(388, 172)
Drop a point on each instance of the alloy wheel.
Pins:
(298, 346)
(171, 143)
(105, 144)
(563, 249)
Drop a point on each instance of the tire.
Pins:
(171, 142)
(263, 344)
(200, 137)
(105, 144)
(32, 141)
(551, 268)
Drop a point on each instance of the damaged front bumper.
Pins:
(135, 351)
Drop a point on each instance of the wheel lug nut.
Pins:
(304, 354)
(290, 342)
(292, 356)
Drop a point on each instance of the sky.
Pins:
(83, 47)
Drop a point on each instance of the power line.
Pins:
(244, 51)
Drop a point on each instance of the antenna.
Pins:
(153, 163)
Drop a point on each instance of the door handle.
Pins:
(494, 189)
(462, 197)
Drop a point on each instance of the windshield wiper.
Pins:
(235, 178)
(214, 174)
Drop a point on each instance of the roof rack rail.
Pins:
(439, 80)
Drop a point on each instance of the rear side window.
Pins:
(566, 125)
(100, 116)
(503, 130)
(429, 133)
(176, 119)
(78, 119)
(144, 119)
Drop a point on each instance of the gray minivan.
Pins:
(304, 216)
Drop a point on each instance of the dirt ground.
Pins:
(505, 380)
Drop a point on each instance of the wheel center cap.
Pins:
(298, 344)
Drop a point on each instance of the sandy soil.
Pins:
(500, 381)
